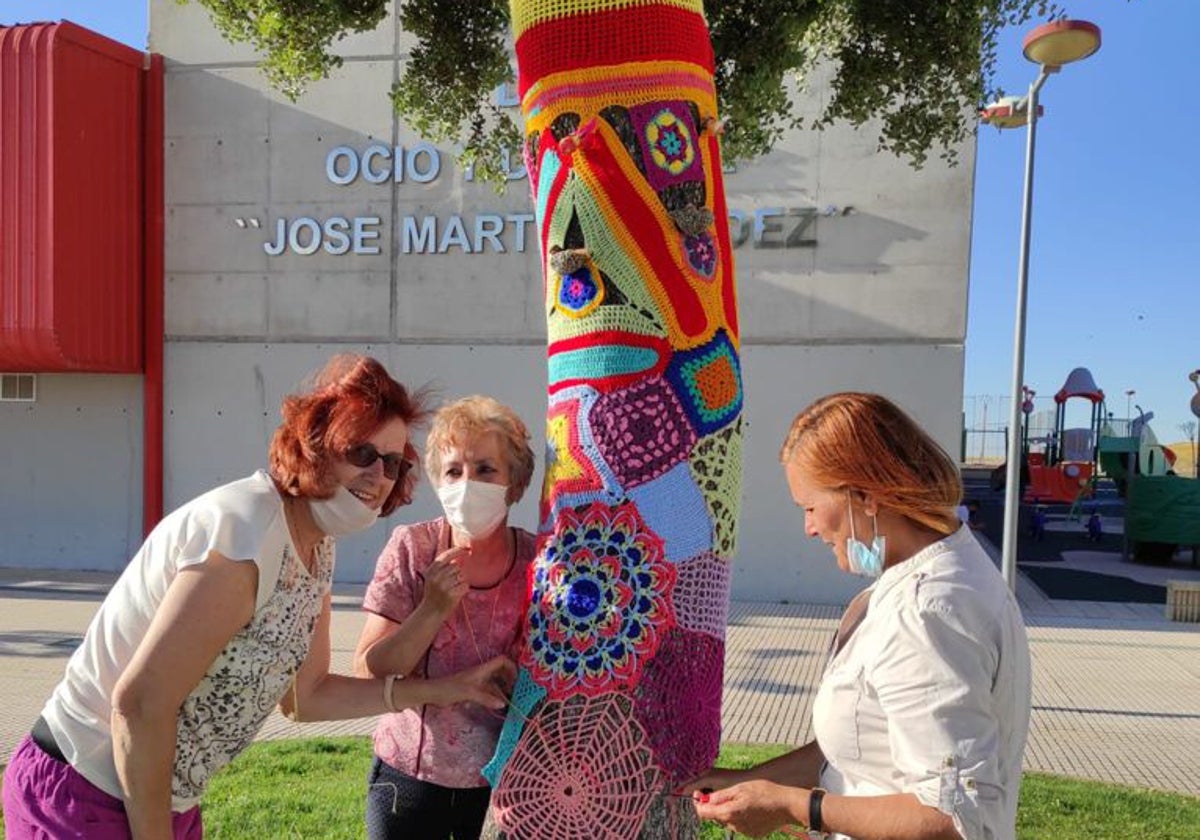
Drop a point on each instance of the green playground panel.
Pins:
(1164, 509)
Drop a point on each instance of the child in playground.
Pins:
(1037, 528)
(1095, 528)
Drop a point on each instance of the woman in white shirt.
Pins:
(922, 713)
(222, 614)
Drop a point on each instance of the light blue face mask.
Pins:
(864, 560)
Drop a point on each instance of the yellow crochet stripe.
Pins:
(709, 292)
(634, 83)
(641, 314)
(527, 13)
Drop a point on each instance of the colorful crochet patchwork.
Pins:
(674, 508)
(629, 594)
(708, 381)
(667, 139)
(576, 474)
(701, 253)
(605, 359)
(601, 602)
(716, 464)
(641, 431)
(580, 291)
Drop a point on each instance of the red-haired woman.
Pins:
(923, 710)
(222, 615)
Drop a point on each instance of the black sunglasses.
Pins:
(395, 465)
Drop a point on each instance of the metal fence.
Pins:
(985, 426)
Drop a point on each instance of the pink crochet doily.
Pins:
(583, 770)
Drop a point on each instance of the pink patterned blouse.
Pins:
(447, 746)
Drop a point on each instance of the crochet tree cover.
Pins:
(619, 694)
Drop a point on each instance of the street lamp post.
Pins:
(1050, 46)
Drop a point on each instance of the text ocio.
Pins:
(485, 232)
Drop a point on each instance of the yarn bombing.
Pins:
(601, 602)
(618, 697)
(526, 696)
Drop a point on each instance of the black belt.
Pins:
(44, 738)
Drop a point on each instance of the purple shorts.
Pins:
(43, 797)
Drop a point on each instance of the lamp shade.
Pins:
(1061, 42)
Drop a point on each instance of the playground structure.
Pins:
(1065, 471)
(1162, 509)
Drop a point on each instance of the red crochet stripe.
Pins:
(637, 218)
(616, 36)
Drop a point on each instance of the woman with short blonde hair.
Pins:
(448, 594)
(472, 417)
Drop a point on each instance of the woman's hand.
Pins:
(488, 684)
(755, 808)
(445, 583)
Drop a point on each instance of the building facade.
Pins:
(292, 231)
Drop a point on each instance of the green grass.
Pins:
(315, 788)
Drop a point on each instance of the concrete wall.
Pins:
(852, 270)
(71, 473)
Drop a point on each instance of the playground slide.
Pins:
(1116, 456)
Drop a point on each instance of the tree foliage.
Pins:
(461, 57)
(920, 67)
(296, 37)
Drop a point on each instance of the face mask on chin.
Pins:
(474, 507)
(342, 514)
(865, 560)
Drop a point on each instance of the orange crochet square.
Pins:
(718, 383)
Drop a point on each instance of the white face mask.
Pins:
(342, 514)
(865, 560)
(474, 507)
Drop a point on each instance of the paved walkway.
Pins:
(1116, 686)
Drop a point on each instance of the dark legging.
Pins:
(399, 806)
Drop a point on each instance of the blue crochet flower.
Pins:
(601, 602)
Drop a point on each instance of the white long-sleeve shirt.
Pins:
(931, 695)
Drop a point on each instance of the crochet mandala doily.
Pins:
(583, 770)
(601, 601)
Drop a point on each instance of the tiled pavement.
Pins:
(1116, 686)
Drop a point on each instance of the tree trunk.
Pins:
(619, 695)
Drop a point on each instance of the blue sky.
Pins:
(1112, 280)
(1112, 285)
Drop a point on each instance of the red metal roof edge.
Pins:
(101, 43)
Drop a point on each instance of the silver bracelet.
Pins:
(388, 700)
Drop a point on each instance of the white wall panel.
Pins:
(71, 473)
(224, 405)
